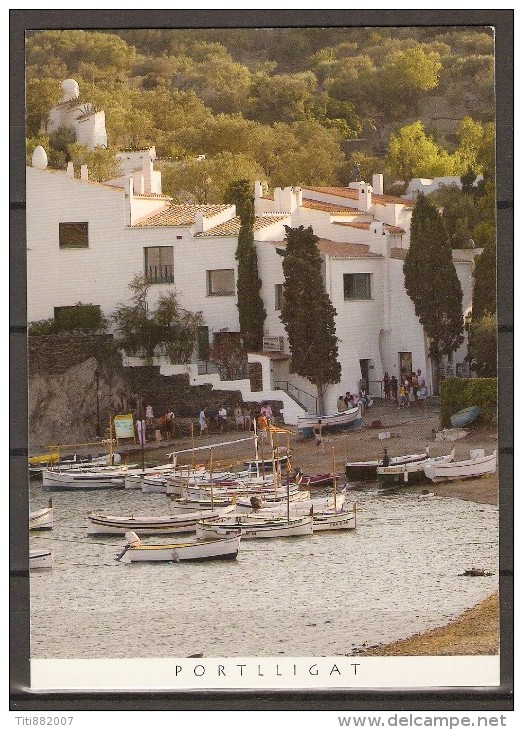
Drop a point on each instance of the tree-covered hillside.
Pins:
(292, 106)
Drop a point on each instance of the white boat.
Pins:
(259, 528)
(189, 506)
(103, 478)
(340, 421)
(339, 519)
(42, 519)
(410, 473)
(99, 523)
(220, 549)
(42, 558)
(478, 465)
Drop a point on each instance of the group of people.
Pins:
(163, 426)
(243, 418)
(411, 389)
(349, 400)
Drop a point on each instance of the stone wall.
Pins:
(67, 404)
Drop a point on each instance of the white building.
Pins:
(87, 123)
(429, 185)
(87, 240)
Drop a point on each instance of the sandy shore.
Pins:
(412, 430)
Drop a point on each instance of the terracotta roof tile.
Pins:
(232, 227)
(365, 226)
(458, 256)
(328, 207)
(398, 253)
(352, 194)
(346, 250)
(178, 215)
(336, 249)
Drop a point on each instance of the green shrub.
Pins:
(80, 317)
(459, 393)
(42, 327)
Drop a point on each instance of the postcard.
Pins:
(263, 448)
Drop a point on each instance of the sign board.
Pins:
(124, 426)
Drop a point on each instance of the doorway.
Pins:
(364, 367)
(405, 359)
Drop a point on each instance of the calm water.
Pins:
(395, 575)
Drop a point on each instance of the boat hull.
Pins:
(42, 519)
(197, 551)
(409, 474)
(99, 524)
(336, 422)
(61, 481)
(333, 521)
(467, 469)
(40, 559)
(367, 470)
(250, 528)
(464, 417)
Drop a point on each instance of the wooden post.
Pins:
(334, 475)
(192, 442)
(210, 480)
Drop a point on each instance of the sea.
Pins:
(398, 573)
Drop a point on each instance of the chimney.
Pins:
(364, 197)
(84, 173)
(258, 189)
(198, 222)
(70, 169)
(377, 184)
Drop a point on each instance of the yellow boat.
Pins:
(44, 459)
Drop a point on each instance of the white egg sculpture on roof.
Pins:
(70, 89)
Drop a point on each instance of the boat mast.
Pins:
(334, 477)
(210, 480)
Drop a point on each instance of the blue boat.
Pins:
(464, 417)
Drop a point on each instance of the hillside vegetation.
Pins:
(292, 106)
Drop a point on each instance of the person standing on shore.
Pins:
(318, 435)
(386, 386)
(202, 420)
(140, 431)
(394, 388)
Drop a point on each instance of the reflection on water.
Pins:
(397, 574)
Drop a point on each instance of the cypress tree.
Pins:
(251, 311)
(431, 281)
(484, 292)
(308, 314)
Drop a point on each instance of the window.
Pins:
(220, 282)
(159, 265)
(73, 235)
(278, 296)
(356, 286)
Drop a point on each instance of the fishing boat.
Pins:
(464, 417)
(351, 418)
(109, 477)
(99, 523)
(220, 549)
(310, 482)
(364, 470)
(41, 558)
(38, 463)
(248, 528)
(335, 519)
(42, 519)
(477, 466)
(406, 474)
